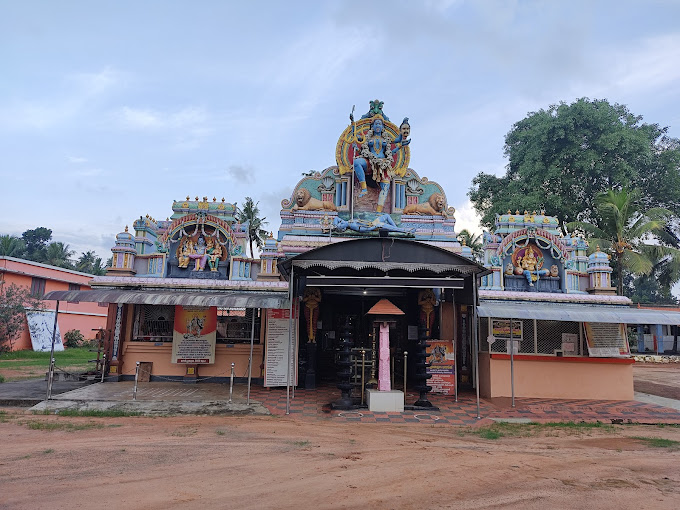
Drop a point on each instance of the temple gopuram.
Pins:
(367, 288)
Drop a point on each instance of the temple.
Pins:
(367, 287)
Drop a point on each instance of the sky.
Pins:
(112, 110)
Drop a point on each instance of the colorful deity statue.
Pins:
(375, 151)
(214, 251)
(427, 302)
(312, 299)
(185, 249)
(382, 222)
(531, 266)
(199, 254)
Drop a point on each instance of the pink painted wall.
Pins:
(82, 316)
(596, 378)
(161, 356)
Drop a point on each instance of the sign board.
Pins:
(569, 343)
(443, 367)
(500, 328)
(40, 327)
(607, 340)
(277, 355)
(194, 335)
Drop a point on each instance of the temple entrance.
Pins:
(427, 295)
(341, 309)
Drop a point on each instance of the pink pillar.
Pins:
(384, 369)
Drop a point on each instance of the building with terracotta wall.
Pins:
(43, 278)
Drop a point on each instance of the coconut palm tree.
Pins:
(59, 254)
(250, 215)
(12, 246)
(625, 230)
(474, 242)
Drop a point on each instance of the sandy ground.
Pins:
(276, 462)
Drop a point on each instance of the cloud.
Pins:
(241, 173)
(76, 159)
(146, 118)
(467, 218)
(71, 96)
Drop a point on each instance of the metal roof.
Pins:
(576, 313)
(185, 298)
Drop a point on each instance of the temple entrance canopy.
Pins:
(377, 263)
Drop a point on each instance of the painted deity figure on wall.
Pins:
(375, 154)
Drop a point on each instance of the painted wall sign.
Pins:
(194, 335)
(40, 326)
(607, 340)
(277, 349)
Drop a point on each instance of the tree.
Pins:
(250, 216)
(12, 246)
(562, 157)
(88, 262)
(59, 254)
(474, 242)
(14, 301)
(36, 243)
(622, 226)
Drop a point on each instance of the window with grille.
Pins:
(37, 287)
(153, 323)
(538, 337)
(234, 325)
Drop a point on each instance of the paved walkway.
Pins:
(173, 397)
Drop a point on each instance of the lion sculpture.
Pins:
(435, 205)
(305, 202)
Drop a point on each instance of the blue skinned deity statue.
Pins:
(382, 222)
(374, 152)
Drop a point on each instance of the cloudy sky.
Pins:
(110, 110)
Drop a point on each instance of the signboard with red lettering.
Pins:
(194, 335)
(443, 367)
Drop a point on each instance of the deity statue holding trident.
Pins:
(375, 150)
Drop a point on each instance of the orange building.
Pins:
(41, 279)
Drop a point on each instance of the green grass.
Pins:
(74, 359)
(51, 426)
(2, 379)
(73, 356)
(502, 429)
(658, 442)
(49, 450)
(300, 444)
(98, 413)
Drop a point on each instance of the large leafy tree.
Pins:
(562, 157)
(36, 243)
(625, 228)
(12, 246)
(249, 215)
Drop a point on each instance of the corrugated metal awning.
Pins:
(231, 299)
(576, 313)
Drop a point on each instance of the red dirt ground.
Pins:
(279, 462)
